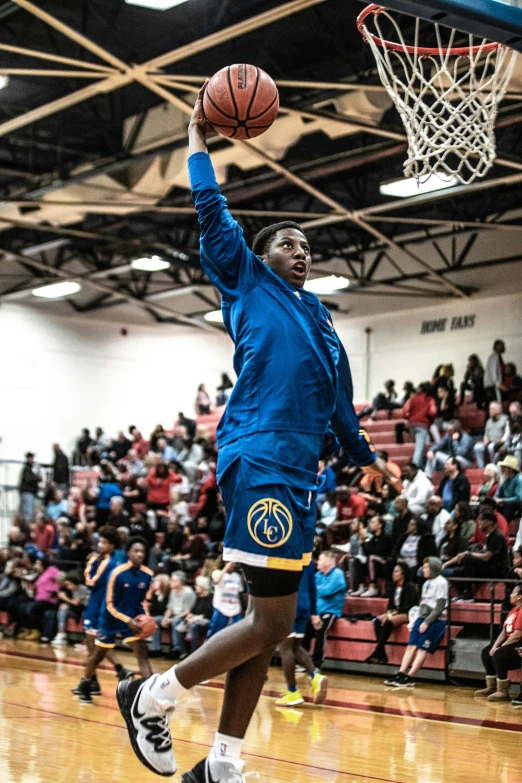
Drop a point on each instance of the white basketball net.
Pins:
(448, 103)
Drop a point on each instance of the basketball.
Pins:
(241, 101)
(146, 624)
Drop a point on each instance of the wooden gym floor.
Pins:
(365, 733)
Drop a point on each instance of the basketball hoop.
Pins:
(447, 96)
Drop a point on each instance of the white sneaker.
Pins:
(360, 590)
(60, 640)
(147, 722)
(372, 592)
(342, 548)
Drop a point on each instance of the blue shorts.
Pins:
(269, 500)
(91, 614)
(429, 640)
(110, 631)
(219, 621)
(299, 627)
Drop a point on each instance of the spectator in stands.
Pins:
(402, 518)
(494, 372)
(501, 656)
(224, 390)
(120, 447)
(408, 391)
(514, 574)
(191, 456)
(444, 391)
(72, 598)
(513, 444)
(166, 452)
(372, 485)
(331, 589)
(451, 545)
(455, 443)
(428, 628)
(158, 432)
(511, 381)
(454, 486)
(159, 482)
(181, 602)
(188, 424)
(107, 489)
(46, 588)
(172, 543)
(488, 488)
(420, 412)
(202, 402)
(490, 563)
(402, 596)
(473, 381)
(388, 496)
(43, 533)
(349, 506)
(228, 587)
(413, 547)
(463, 515)
(509, 492)
(60, 468)
(198, 620)
(490, 504)
(496, 433)
(157, 608)
(192, 552)
(57, 506)
(101, 443)
(354, 556)
(377, 548)
(82, 447)
(416, 488)
(435, 518)
(134, 463)
(29, 480)
(140, 444)
(383, 401)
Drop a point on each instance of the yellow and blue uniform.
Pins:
(127, 588)
(97, 571)
(294, 383)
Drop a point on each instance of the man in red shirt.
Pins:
(420, 412)
(43, 533)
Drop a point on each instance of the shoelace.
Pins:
(158, 732)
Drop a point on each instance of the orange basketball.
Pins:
(241, 101)
(147, 625)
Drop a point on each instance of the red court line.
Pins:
(374, 708)
(204, 744)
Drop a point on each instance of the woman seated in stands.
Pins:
(465, 518)
(413, 547)
(192, 552)
(377, 548)
(46, 587)
(501, 656)
(402, 596)
(451, 545)
(429, 626)
(488, 488)
(473, 381)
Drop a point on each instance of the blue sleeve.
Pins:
(355, 442)
(440, 446)
(334, 584)
(225, 256)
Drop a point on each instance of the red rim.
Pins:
(375, 9)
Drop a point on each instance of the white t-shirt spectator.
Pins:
(418, 492)
(433, 590)
(227, 592)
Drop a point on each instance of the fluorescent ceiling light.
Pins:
(214, 316)
(402, 188)
(150, 264)
(4, 81)
(57, 290)
(157, 5)
(327, 285)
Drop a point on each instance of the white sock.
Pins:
(167, 686)
(227, 746)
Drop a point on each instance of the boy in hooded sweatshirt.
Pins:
(429, 627)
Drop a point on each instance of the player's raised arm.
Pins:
(225, 257)
(354, 440)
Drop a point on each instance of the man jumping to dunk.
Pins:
(294, 386)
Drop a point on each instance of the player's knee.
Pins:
(275, 628)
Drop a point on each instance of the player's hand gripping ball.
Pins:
(241, 101)
(147, 625)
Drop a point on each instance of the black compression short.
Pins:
(271, 582)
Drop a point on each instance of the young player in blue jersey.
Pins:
(291, 650)
(97, 571)
(294, 385)
(128, 586)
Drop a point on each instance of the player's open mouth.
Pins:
(299, 268)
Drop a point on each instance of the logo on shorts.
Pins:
(269, 523)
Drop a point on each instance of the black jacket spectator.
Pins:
(381, 546)
(409, 598)
(29, 479)
(460, 489)
(425, 548)
(60, 466)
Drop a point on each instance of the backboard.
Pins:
(496, 20)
